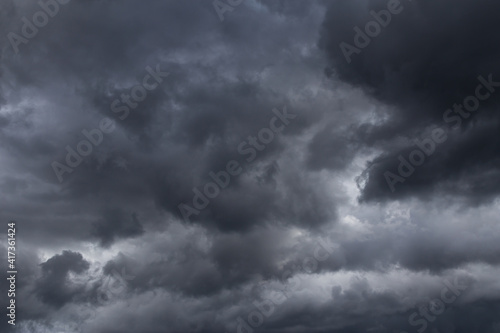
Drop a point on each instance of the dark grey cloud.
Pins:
(336, 154)
(424, 61)
(310, 217)
(54, 287)
(117, 224)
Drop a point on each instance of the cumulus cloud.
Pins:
(158, 185)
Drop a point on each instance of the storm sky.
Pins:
(251, 166)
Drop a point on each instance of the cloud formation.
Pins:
(308, 235)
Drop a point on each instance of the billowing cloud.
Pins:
(251, 166)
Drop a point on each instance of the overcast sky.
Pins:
(251, 166)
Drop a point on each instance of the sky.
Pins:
(240, 166)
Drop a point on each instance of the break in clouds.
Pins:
(250, 166)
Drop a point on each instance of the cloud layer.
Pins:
(159, 186)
